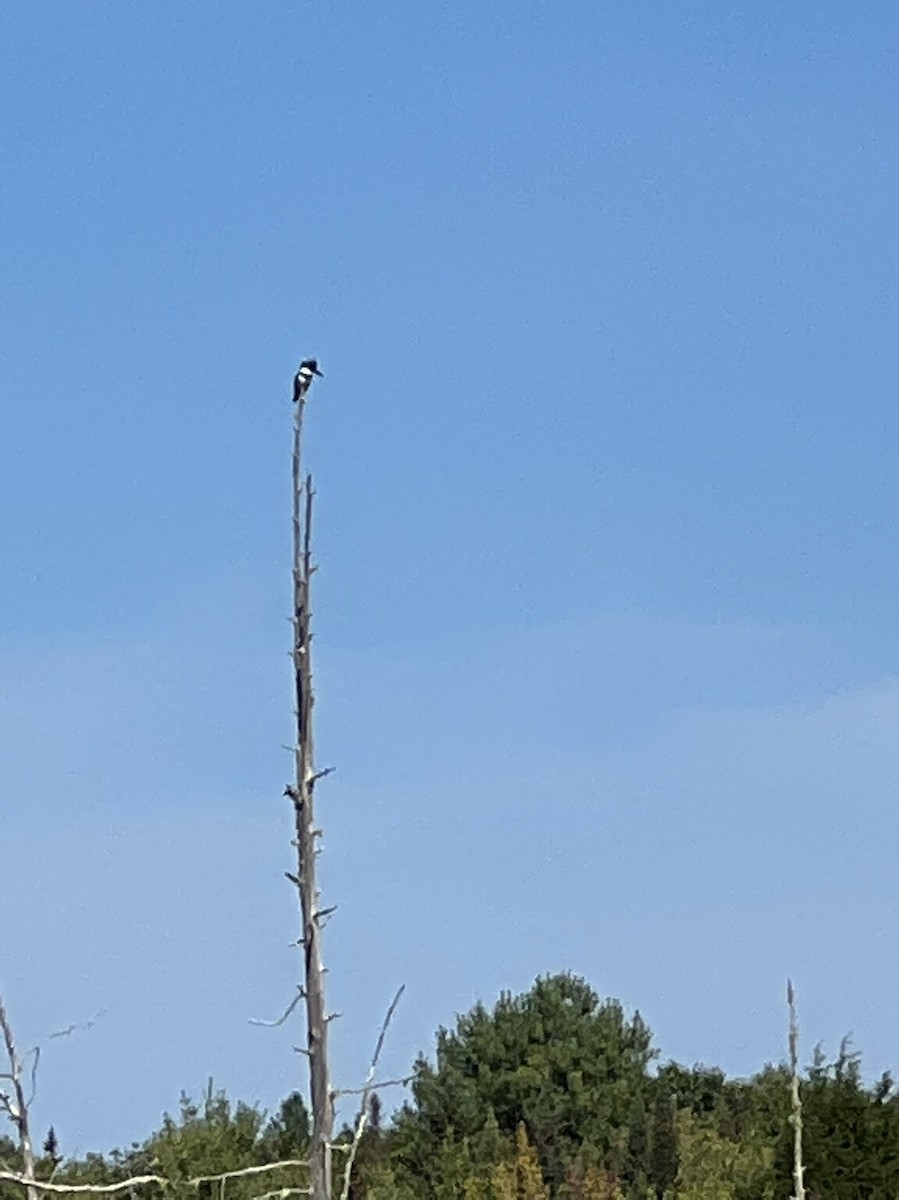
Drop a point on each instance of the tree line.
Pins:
(555, 1093)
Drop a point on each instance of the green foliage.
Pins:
(548, 1096)
(850, 1132)
(287, 1134)
(714, 1167)
(557, 1060)
(664, 1154)
(520, 1178)
(206, 1139)
(10, 1160)
(595, 1183)
(209, 1137)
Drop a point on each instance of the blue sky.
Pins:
(606, 641)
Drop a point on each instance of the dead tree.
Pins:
(302, 794)
(795, 1100)
(15, 1101)
(18, 1084)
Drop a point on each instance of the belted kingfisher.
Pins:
(303, 377)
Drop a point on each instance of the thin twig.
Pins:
(282, 1193)
(280, 1021)
(362, 1118)
(70, 1029)
(375, 1087)
(35, 1053)
(257, 1170)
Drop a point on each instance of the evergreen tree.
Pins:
(567, 1066)
(287, 1133)
(850, 1132)
(712, 1167)
(663, 1158)
(10, 1160)
(213, 1136)
(520, 1179)
(51, 1148)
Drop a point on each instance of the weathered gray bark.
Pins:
(795, 1101)
(15, 1103)
(302, 793)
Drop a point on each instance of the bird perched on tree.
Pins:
(303, 377)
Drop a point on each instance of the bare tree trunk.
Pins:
(302, 795)
(15, 1104)
(795, 1101)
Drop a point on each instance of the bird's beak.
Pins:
(318, 373)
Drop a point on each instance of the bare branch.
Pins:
(362, 1118)
(15, 1104)
(108, 1189)
(73, 1189)
(301, 995)
(35, 1053)
(70, 1029)
(257, 1170)
(377, 1086)
(385, 1026)
(282, 1193)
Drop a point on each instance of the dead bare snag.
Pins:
(795, 1099)
(301, 794)
(15, 1102)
